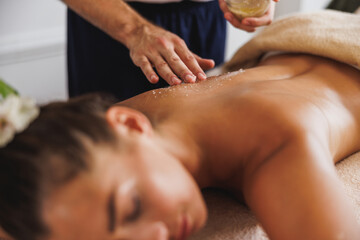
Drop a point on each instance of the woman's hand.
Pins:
(153, 47)
(249, 24)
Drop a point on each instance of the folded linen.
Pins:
(326, 33)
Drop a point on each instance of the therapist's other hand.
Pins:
(153, 47)
(249, 24)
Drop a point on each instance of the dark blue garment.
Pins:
(96, 62)
(344, 5)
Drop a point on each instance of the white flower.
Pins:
(16, 113)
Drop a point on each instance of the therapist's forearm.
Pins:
(114, 17)
(149, 46)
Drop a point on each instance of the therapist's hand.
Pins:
(150, 46)
(153, 47)
(249, 24)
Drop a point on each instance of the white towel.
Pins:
(327, 33)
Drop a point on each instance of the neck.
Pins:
(180, 141)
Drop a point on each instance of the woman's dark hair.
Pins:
(49, 153)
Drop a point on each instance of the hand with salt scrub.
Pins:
(161, 42)
(154, 47)
(248, 14)
(134, 43)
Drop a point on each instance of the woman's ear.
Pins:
(126, 120)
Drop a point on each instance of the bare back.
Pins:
(311, 92)
(271, 135)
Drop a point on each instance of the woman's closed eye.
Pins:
(136, 210)
(134, 206)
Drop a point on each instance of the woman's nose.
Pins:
(155, 231)
(145, 231)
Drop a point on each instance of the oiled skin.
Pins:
(271, 135)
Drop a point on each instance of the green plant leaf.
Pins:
(6, 90)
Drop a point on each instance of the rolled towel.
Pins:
(327, 33)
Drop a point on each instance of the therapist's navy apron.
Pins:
(96, 62)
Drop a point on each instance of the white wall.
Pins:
(18, 16)
(32, 43)
(310, 5)
(32, 47)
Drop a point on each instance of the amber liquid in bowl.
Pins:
(248, 8)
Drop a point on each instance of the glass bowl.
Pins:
(248, 8)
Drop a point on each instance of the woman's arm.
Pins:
(296, 194)
(149, 45)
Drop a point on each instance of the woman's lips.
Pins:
(185, 228)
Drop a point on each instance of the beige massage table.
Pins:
(230, 220)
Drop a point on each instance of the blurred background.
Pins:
(33, 48)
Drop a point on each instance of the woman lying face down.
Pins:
(80, 184)
(88, 169)
(134, 190)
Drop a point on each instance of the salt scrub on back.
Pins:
(192, 89)
(248, 8)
